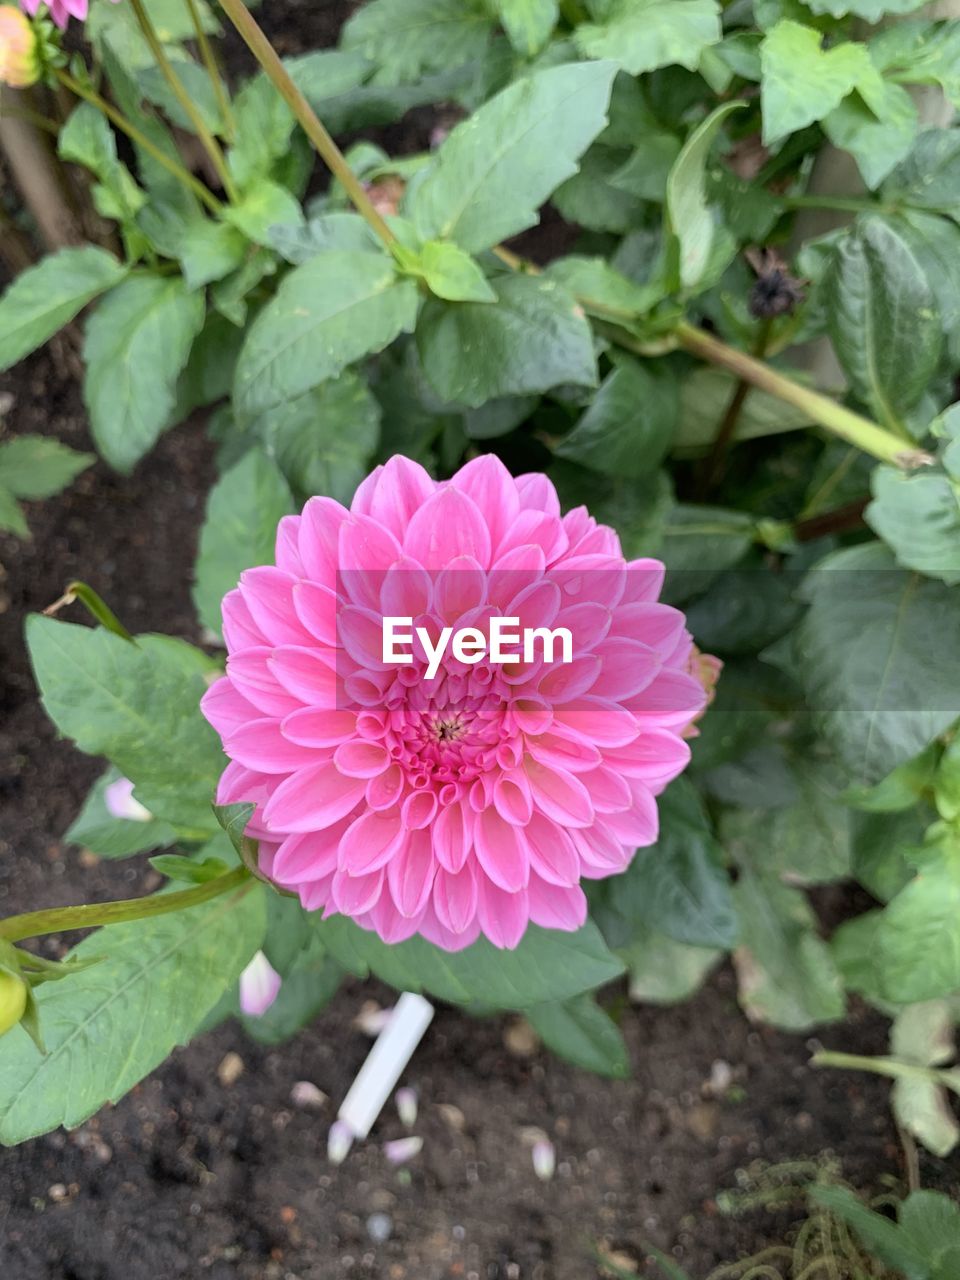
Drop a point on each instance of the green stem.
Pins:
(209, 142)
(213, 71)
(34, 118)
(891, 1067)
(141, 139)
(846, 424)
(332, 156)
(93, 603)
(843, 204)
(713, 469)
(94, 914)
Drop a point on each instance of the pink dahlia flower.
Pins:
(476, 801)
(61, 11)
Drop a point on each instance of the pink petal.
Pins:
(259, 744)
(312, 798)
(503, 916)
(453, 836)
(448, 524)
(371, 841)
(501, 851)
(410, 875)
(558, 794)
(319, 538)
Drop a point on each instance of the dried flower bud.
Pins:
(776, 292)
(19, 49)
(13, 1000)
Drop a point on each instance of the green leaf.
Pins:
(785, 972)
(628, 426)
(645, 173)
(265, 205)
(882, 845)
(496, 169)
(324, 441)
(593, 199)
(700, 542)
(930, 1220)
(879, 686)
(869, 10)
(877, 135)
(918, 937)
(582, 1033)
(209, 251)
(138, 705)
(107, 1028)
(12, 519)
(331, 311)
(929, 178)
(137, 342)
(528, 23)
(883, 320)
(534, 338)
(96, 829)
(87, 139)
(802, 82)
(326, 231)
(643, 35)
(663, 971)
(44, 298)
(923, 1034)
(679, 885)
(452, 274)
(919, 52)
(687, 213)
(705, 396)
(881, 1236)
(33, 467)
(805, 843)
(407, 38)
(918, 516)
(548, 965)
(601, 290)
(239, 530)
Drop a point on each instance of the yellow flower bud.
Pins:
(19, 49)
(13, 1000)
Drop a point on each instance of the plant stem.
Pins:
(94, 605)
(34, 118)
(332, 156)
(863, 433)
(843, 204)
(213, 71)
(93, 914)
(141, 139)
(713, 470)
(891, 1067)
(840, 520)
(210, 144)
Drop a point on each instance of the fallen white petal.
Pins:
(119, 801)
(400, 1150)
(259, 986)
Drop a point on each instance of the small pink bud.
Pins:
(118, 798)
(339, 1142)
(544, 1159)
(406, 1099)
(259, 986)
(401, 1150)
(19, 50)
